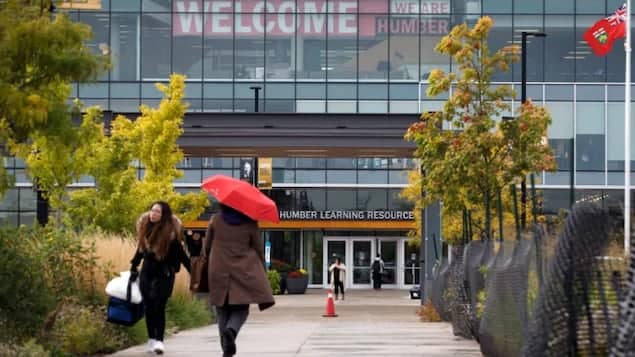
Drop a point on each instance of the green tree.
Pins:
(42, 54)
(119, 197)
(467, 153)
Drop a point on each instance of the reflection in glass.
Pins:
(388, 252)
(361, 262)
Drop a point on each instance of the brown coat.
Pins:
(236, 264)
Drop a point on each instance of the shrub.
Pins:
(274, 281)
(427, 313)
(25, 296)
(185, 312)
(28, 349)
(82, 330)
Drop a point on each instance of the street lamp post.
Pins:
(523, 99)
(256, 90)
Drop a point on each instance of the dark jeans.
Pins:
(231, 316)
(376, 281)
(339, 286)
(155, 317)
(156, 289)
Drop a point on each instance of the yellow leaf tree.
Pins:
(467, 154)
(151, 141)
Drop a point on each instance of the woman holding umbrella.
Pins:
(236, 272)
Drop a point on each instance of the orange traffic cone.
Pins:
(330, 305)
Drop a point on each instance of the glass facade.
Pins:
(351, 56)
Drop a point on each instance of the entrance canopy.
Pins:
(297, 135)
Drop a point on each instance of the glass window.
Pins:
(155, 46)
(497, 7)
(156, 5)
(285, 249)
(590, 136)
(404, 43)
(501, 36)
(341, 176)
(615, 137)
(279, 90)
(398, 177)
(348, 163)
(310, 176)
(559, 7)
(311, 199)
(535, 46)
(125, 5)
(395, 202)
(187, 45)
(562, 120)
(560, 45)
(404, 91)
(372, 199)
(589, 7)
(280, 43)
(312, 163)
(124, 90)
(342, 91)
(283, 175)
(373, 47)
(217, 90)
(373, 91)
(189, 176)
(27, 199)
(313, 255)
(99, 23)
(341, 61)
(527, 7)
(9, 201)
(93, 90)
(286, 162)
(311, 91)
(402, 163)
(123, 47)
(343, 199)
(373, 176)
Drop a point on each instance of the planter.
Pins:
(297, 285)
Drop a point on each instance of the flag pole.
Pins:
(627, 134)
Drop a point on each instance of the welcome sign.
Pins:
(308, 17)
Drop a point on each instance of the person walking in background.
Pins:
(378, 270)
(160, 247)
(338, 275)
(236, 274)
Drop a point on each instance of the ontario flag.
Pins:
(603, 33)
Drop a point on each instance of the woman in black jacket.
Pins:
(160, 247)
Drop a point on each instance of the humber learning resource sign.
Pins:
(348, 215)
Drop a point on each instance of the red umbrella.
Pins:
(242, 196)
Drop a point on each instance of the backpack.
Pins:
(376, 266)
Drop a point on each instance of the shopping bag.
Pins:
(118, 288)
(124, 311)
(198, 276)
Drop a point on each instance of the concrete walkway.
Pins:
(370, 323)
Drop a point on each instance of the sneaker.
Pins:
(151, 343)
(159, 348)
(229, 341)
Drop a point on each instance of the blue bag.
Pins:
(124, 312)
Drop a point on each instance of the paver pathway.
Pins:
(370, 323)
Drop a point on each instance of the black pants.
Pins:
(155, 317)
(376, 281)
(155, 290)
(339, 286)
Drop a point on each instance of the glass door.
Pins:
(335, 248)
(410, 269)
(362, 250)
(388, 252)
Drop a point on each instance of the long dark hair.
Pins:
(157, 236)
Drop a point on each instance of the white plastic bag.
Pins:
(118, 288)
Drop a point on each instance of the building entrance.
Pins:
(401, 263)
